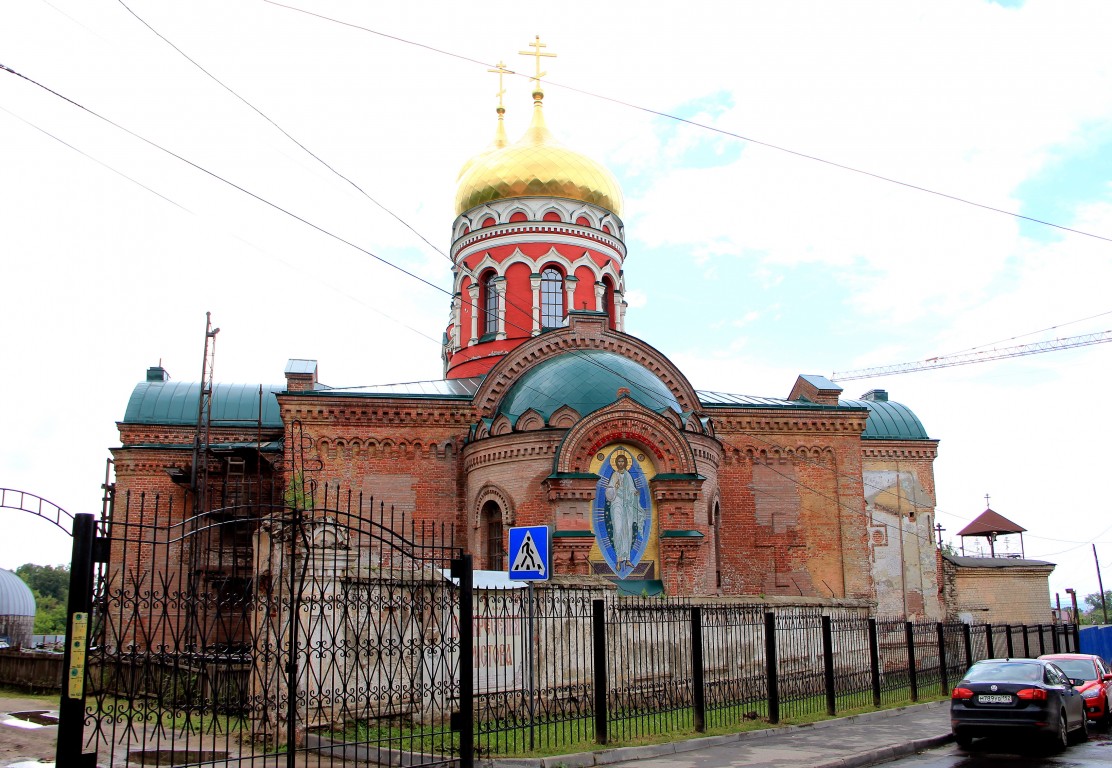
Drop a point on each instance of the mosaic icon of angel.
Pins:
(622, 512)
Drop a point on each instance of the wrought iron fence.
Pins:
(338, 632)
(331, 632)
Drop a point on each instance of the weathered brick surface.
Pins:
(1017, 594)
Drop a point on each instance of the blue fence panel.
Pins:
(1097, 640)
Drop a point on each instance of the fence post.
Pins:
(71, 709)
(1008, 644)
(698, 693)
(874, 660)
(1054, 644)
(462, 570)
(990, 648)
(1042, 643)
(912, 679)
(967, 638)
(1026, 641)
(598, 637)
(770, 668)
(1076, 638)
(943, 677)
(828, 665)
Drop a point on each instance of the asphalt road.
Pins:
(998, 753)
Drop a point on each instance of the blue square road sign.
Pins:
(530, 553)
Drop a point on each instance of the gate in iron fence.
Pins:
(315, 629)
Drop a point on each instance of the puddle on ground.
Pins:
(33, 718)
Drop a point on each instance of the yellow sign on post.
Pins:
(79, 632)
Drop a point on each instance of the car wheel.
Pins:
(1060, 740)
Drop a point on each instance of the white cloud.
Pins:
(102, 278)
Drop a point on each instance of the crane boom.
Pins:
(968, 358)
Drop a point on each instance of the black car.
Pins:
(1011, 696)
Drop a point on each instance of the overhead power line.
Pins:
(704, 126)
(968, 358)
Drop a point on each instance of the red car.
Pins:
(1092, 677)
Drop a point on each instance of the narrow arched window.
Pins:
(489, 300)
(608, 303)
(552, 298)
(490, 519)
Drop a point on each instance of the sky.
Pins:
(748, 264)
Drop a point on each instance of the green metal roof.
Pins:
(175, 402)
(585, 380)
(889, 421)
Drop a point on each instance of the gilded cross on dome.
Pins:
(501, 71)
(536, 45)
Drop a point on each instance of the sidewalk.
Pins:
(839, 743)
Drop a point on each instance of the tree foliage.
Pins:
(1092, 612)
(50, 586)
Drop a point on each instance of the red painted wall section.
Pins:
(585, 289)
(519, 302)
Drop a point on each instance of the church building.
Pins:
(549, 413)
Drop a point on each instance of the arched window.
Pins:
(608, 303)
(490, 519)
(552, 298)
(489, 300)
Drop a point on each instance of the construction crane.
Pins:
(982, 356)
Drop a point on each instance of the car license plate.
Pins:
(993, 698)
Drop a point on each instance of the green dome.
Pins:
(889, 421)
(585, 380)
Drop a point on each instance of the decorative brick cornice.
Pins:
(730, 421)
(332, 446)
(768, 455)
(352, 411)
(513, 447)
(926, 450)
(571, 489)
(630, 422)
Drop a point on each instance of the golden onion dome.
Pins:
(537, 165)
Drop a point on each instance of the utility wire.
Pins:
(327, 232)
(98, 162)
(283, 131)
(220, 178)
(704, 126)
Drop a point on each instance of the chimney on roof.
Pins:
(157, 373)
(813, 388)
(301, 375)
(876, 395)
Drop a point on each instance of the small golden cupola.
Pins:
(538, 235)
(536, 165)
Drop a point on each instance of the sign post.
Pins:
(530, 560)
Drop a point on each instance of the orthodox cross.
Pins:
(537, 53)
(501, 70)
(938, 527)
(986, 501)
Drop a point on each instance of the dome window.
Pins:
(582, 221)
(488, 299)
(552, 216)
(552, 298)
(517, 216)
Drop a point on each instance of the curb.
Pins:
(627, 754)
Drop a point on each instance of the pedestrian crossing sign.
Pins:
(530, 553)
